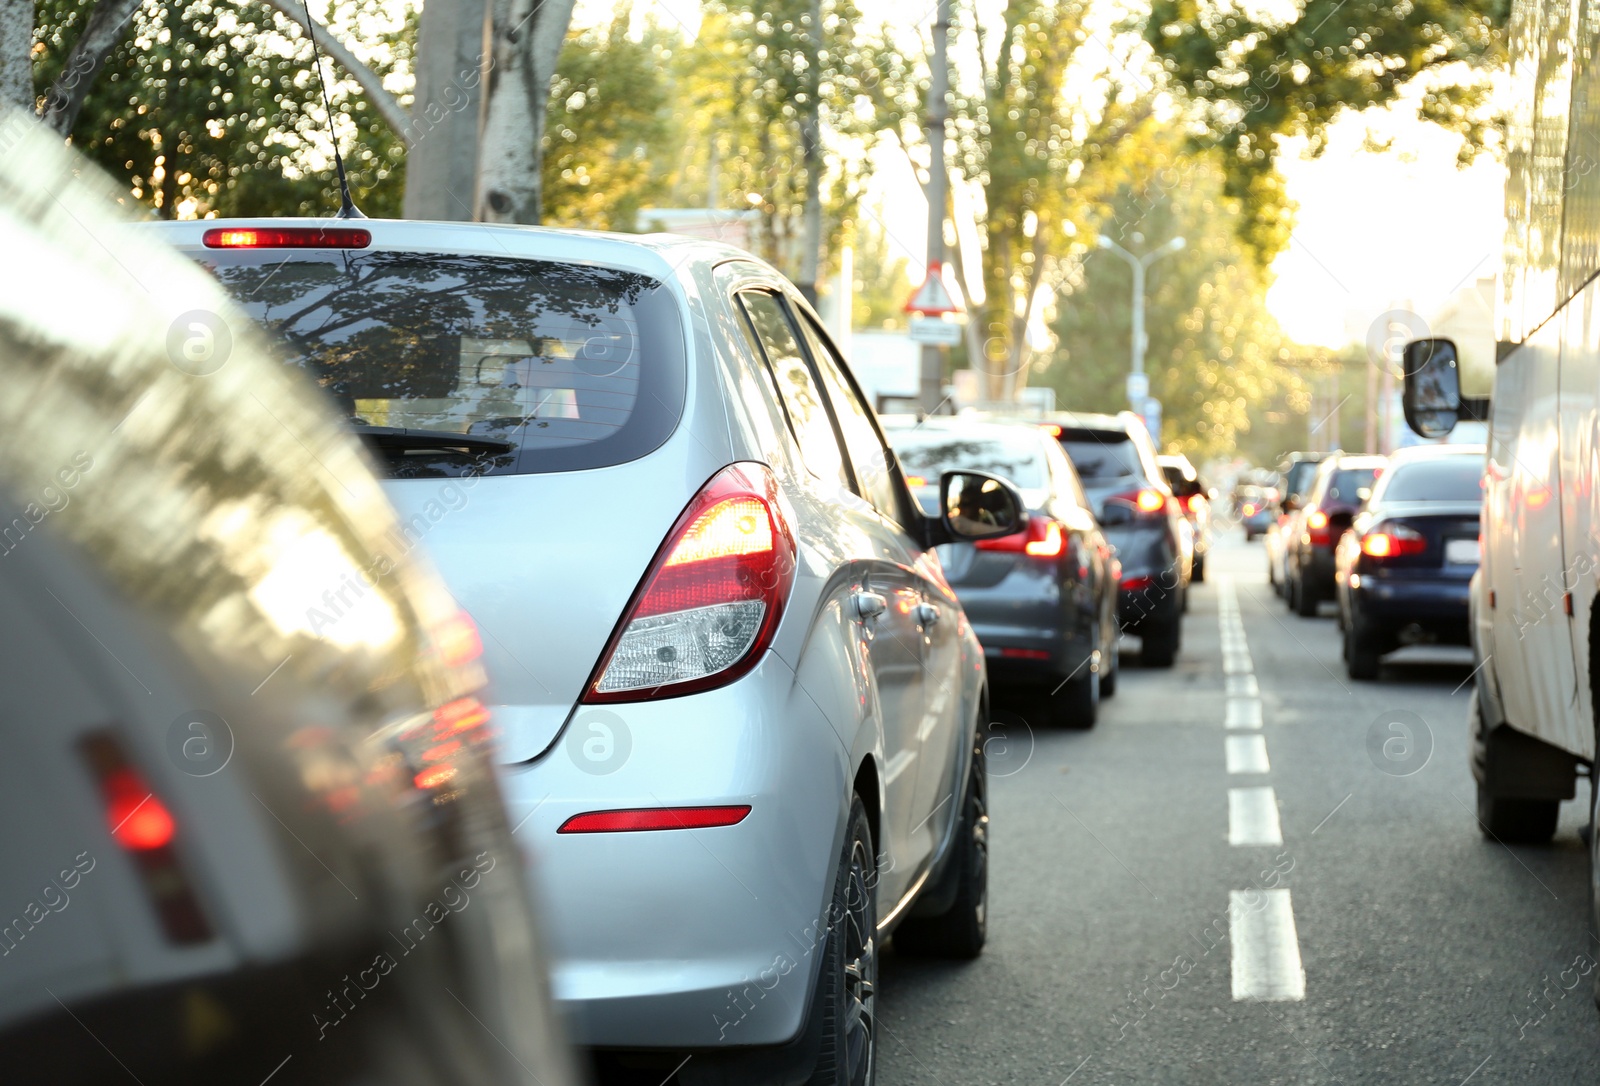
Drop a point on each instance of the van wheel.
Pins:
(1305, 600)
(1077, 703)
(849, 1054)
(961, 930)
(1199, 574)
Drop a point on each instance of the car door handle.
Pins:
(869, 604)
(927, 614)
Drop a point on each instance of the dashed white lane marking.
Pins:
(1253, 817)
(1266, 951)
(1243, 686)
(1236, 663)
(1243, 713)
(1247, 754)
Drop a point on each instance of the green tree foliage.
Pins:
(1216, 358)
(745, 88)
(1257, 79)
(212, 107)
(611, 124)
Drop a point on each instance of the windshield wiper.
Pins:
(391, 439)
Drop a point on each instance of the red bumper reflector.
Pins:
(655, 818)
(288, 237)
(1025, 654)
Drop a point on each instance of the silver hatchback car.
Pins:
(741, 710)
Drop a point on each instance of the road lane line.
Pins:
(1243, 713)
(1236, 663)
(1247, 754)
(1266, 951)
(1253, 817)
(1243, 686)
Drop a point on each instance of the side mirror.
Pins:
(1115, 513)
(979, 506)
(1432, 398)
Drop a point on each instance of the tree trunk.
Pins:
(447, 112)
(16, 54)
(105, 28)
(811, 157)
(527, 44)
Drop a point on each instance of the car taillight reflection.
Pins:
(1042, 538)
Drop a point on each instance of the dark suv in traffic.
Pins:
(1337, 493)
(1116, 462)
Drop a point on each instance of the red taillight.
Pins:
(1042, 538)
(1191, 503)
(711, 600)
(145, 828)
(1249, 509)
(1393, 541)
(1146, 502)
(1134, 584)
(655, 818)
(1317, 526)
(287, 237)
(1025, 654)
(1051, 428)
(138, 820)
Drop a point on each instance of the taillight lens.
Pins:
(655, 818)
(287, 237)
(1042, 538)
(1317, 526)
(710, 603)
(1146, 502)
(1393, 541)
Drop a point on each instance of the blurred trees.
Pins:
(1217, 359)
(207, 106)
(1259, 78)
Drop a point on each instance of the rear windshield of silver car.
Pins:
(553, 366)
(1019, 461)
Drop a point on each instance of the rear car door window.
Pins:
(874, 469)
(802, 400)
(1102, 454)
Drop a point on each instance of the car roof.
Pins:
(976, 428)
(1356, 461)
(1433, 452)
(658, 255)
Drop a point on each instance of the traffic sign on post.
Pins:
(935, 330)
(932, 298)
(1138, 388)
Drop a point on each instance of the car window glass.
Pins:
(1447, 479)
(929, 454)
(1101, 454)
(801, 397)
(1067, 487)
(1343, 485)
(874, 473)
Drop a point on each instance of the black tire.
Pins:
(1305, 600)
(1361, 655)
(1110, 667)
(1516, 821)
(961, 930)
(1160, 643)
(1199, 574)
(1077, 703)
(849, 1051)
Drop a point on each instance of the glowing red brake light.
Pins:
(1393, 541)
(1051, 428)
(655, 818)
(710, 603)
(138, 820)
(1147, 502)
(1042, 538)
(287, 237)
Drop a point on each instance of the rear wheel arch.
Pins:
(869, 788)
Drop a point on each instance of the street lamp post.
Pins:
(1138, 384)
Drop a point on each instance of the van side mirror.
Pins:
(975, 505)
(1432, 398)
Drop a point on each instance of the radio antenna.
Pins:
(347, 209)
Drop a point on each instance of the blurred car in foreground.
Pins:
(1297, 472)
(1192, 496)
(1256, 508)
(1116, 463)
(1342, 485)
(1405, 568)
(736, 695)
(251, 824)
(1042, 601)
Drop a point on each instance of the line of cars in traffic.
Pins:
(591, 540)
(1393, 541)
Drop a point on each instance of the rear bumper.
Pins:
(687, 938)
(1027, 629)
(1441, 604)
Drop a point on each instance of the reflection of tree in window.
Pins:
(812, 426)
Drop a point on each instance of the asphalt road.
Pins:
(1384, 940)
